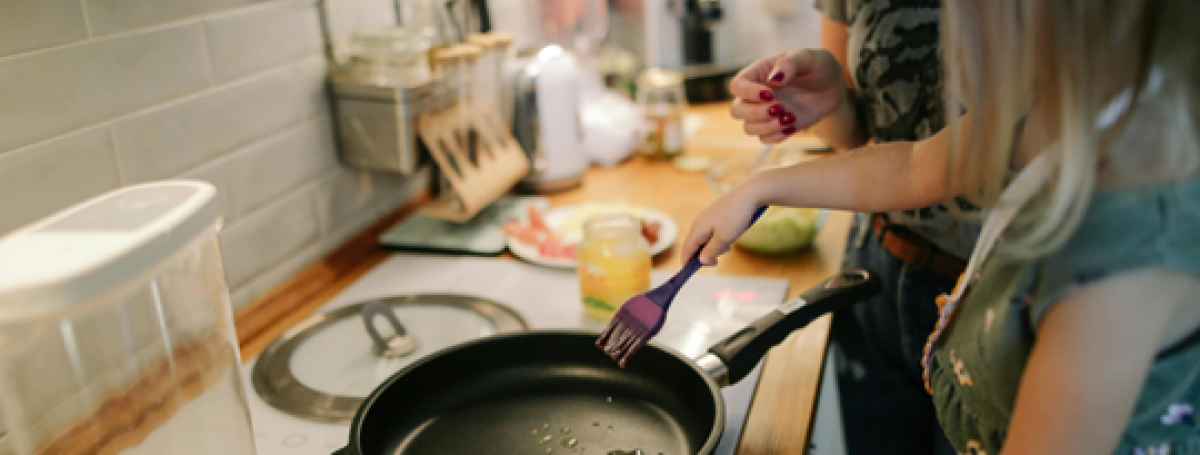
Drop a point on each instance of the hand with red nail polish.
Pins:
(793, 90)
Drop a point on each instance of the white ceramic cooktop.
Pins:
(708, 308)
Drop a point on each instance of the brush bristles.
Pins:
(623, 337)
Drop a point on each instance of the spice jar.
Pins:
(662, 100)
(613, 263)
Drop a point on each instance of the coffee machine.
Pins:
(698, 38)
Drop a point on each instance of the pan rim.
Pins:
(714, 436)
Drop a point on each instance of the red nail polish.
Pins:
(775, 110)
(790, 130)
(777, 77)
(766, 95)
(787, 118)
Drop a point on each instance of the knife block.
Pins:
(477, 175)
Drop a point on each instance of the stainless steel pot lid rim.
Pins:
(324, 367)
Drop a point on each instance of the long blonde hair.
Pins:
(1133, 66)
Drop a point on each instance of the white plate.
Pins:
(667, 234)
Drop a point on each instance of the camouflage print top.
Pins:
(893, 56)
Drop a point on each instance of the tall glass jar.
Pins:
(663, 101)
(613, 264)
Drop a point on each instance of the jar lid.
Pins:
(323, 368)
(100, 246)
(660, 78)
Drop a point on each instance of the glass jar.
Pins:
(391, 56)
(613, 264)
(662, 100)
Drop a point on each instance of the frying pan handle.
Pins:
(742, 350)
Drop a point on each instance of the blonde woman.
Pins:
(1076, 328)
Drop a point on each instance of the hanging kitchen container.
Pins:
(115, 329)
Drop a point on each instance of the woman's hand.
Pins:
(780, 95)
(722, 222)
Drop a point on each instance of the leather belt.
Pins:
(913, 249)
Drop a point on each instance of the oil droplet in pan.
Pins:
(610, 428)
(545, 426)
(565, 430)
(570, 442)
(545, 439)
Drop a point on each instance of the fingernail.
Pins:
(775, 110)
(766, 95)
(777, 77)
(787, 118)
(789, 130)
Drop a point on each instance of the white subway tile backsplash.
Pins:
(254, 244)
(53, 92)
(213, 173)
(112, 16)
(342, 195)
(272, 278)
(40, 180)
(27, 25)
(260, 38)
(265, 171)
(95, 94)
(166, 141)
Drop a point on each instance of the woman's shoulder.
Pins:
(1124, 231)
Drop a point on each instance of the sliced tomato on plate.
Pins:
(554, 249)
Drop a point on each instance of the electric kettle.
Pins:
(546, 119)
(116, 334)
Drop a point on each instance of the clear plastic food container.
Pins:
(390, 56)
(116, 334)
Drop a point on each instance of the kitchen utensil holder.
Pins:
(471, 144)
(498, 161)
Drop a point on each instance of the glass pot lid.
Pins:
(324, 368)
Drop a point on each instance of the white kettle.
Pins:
(546, 119)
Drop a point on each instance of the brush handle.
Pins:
(665, 293)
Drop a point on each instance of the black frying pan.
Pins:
(529, 392)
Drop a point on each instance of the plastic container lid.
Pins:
(100, 245)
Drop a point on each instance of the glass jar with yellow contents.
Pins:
(613, 264)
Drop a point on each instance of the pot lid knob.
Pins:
(399, 344)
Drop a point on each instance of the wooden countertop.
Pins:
(785, 401)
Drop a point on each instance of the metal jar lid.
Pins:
(323, 368)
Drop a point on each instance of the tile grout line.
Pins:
(116, 152)
(87, 22)
(307, 186)
(260, 141)
(208, 58)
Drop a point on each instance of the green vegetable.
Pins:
(780, 230)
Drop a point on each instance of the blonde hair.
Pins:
(1133, 66)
